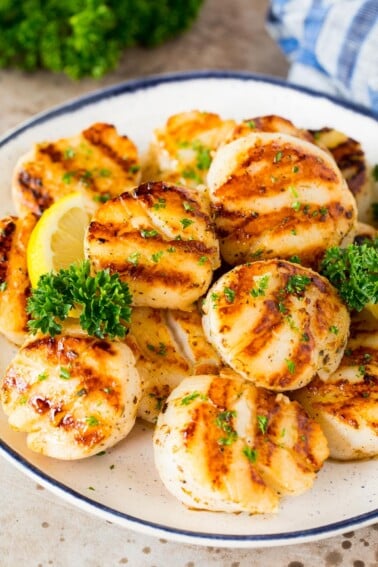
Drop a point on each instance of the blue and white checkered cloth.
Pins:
(332, 45)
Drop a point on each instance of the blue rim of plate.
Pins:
(10, 454)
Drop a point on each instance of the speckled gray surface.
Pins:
(36, 528)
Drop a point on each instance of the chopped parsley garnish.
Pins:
(92, 421)
(251, 124)
(295, 169)
(293, 191)
(134, 168)
(189, 173)
(64, 373)
(102, 198)
(42, 376)
(290, 365)
(203, 156)
(334, 330)
(296, 206)
(3, 286)
(186, 400)
(160, 204)
(262, 422)
(69, 153)
(277, 158)
(354, 272)
(148, 233)
(161, 349)
(187, 206)
(305, 338)
(295, 259)
(262, 286)
(133, 258)
(214, 298)
(223, 421)
(67, 177)
(229, 294)
(104, 301)
(157, 255)
(297, 284)
(202, 260)
(250, 453)
(186, 222)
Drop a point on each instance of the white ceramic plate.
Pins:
(344, 496)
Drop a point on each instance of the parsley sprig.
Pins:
(354, 272)
(104, 301)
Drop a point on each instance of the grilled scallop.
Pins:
(346, 403)
(168, 346)
(276, 195)
(222, 444)
(182, 150)
(160, 239)
(98, 162)
(350, 159)
(73, 395)
(14, 280)
(276, 323)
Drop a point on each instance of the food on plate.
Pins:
(350, 159)
(14, 279)
(57, 241)
(276, 195)
(223, 444)
(72, 394)
(353, 270)
(276, 323)
(196, 300)
(160, 239)
(346, 404)
(169, 345)
(182, 150)
(98, 162)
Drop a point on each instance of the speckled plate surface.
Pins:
(123, 486)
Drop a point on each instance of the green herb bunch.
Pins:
(104, 301)
(85, 37)
(354, 272)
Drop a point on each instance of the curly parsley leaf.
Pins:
(354, 272)
(103, 299)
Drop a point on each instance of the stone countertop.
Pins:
(37, 528)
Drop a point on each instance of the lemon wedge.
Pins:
(57, 239)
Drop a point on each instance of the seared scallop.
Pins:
(160, 239)
(14, 279)
(182, 150)
(350, 158)
(72, 394)
(222, 444)
(276, 323)
(168, 346)
(276, 195)
(346, 404)
(98, 162)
